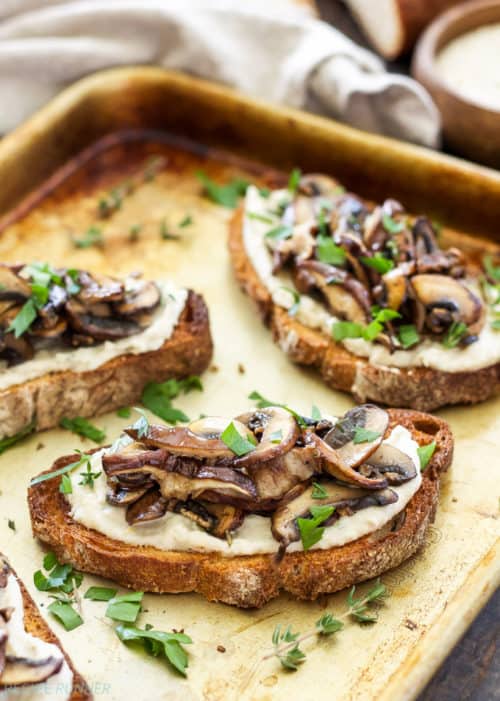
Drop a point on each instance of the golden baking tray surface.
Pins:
(113, 125)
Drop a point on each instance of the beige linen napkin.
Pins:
(266, 48)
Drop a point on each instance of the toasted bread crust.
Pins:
(419, 388)
(117, 383)
(36, 625)
(248, 581)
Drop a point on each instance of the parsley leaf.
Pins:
(309, 528)
(425, 453)
(62, 470)
(296, 301)
(363, 435)
(455, 334)
(124, 412)
(280, 233)
(8, 442)
(186, 221)
(65, 614)
(328, 252)
(100, 593)
(391, 225)
(158, 643)
(157, 397)
(66, 486)
(82, 427)
(262, 403)
(408, 335)
(379, 263)
(239, 444)
(92, 237)
(318, 492)
(294, 180)
(259, 217)
(125, 608)
(225, 195)
(24, 318)
(346, 329)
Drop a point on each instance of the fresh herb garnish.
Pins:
(286, 643)
(294, 180)
(408, 335)
(280, 233)
(125, 608)
(425, 453)
(84, 459)
(187, 220)
(264, 192)
(142, 424)
(379, 263)
(296, 301)
(158, 644)
(310, 529)
(24, 318)
(318, 492)
(328, 252)
(82, 427)
(100, 593)
(346, 329)
(66, 486)
(391, 225)
(226, 195)
(363, 435)
(88, 477)
(240, 445)
(11, 524)
(62, 581)
(92, 237)
(8, 442)
(124, 412)
(157, 397)
(134, 232)
(165, 234)
(351, 329)
(315, 413)
(455, 334)
(259, 217)
(262, 403)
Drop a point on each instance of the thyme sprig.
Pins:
(286, 643)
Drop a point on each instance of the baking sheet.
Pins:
(433, 596)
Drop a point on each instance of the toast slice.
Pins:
(36, 626)
(117, 383)
(421, 388)
(249, 580)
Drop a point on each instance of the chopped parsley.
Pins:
(61, 580)
(100, 593)
(328, 252)
(391, 225)
(456, 332)
(425, 453)
(280, 233)
(310, 529)
(84, 428)
(225, 195)
(294, 180)
(124, 412)
(157, 397)
(24, 318)
(363, 435)
(379, 263)
(318, 492)
(408, 335)
(66, 486)
(83, 460)
(92, 237)
(240, 445)
(186, 221)
(158, 644)
(125, 608)
(262, 403)
(260, 217)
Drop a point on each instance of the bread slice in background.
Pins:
(393, 26)
(36, 626)
(419, 388)
(248, 580)
(117, 383)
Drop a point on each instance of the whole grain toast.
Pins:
(36, 625)
(249, 581)
(117, 383)
(419, 388)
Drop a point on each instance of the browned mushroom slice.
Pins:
(345, 500)
(220, 520)
(445, 293)
(42, 330)
(275, 478)
(95, 290)
(319, 185)
(16, 350)
(215, 484)
(300, 210)
(12, 286)
(345, 437)
(21, 671)
(4, 572)
(278, 432)
(145, 297)
(200, 439)
(389, 462)
(116, 495)
(100, 328)
(333, 464)
(345, 296)
(149, 507)
(395, 288)
(133, 458)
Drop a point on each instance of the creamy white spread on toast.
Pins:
(257, 222)
(21, 644)
(173, 531)
(85, 359)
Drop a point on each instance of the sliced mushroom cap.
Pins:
(273, 479)
(278, 433)
(15, 350)
(346, 297)
(117, 495)
(300, 210)
(200, 439)
(101, 328)
(343, 436)
(149, 507)
(220, 520)
(444, 292)
(215, 484)
(21, 671)
(389, 462)
(346, 501)
(145, 297)
(395, 288)
(12, 286)
(95, 289)
(318, 185)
